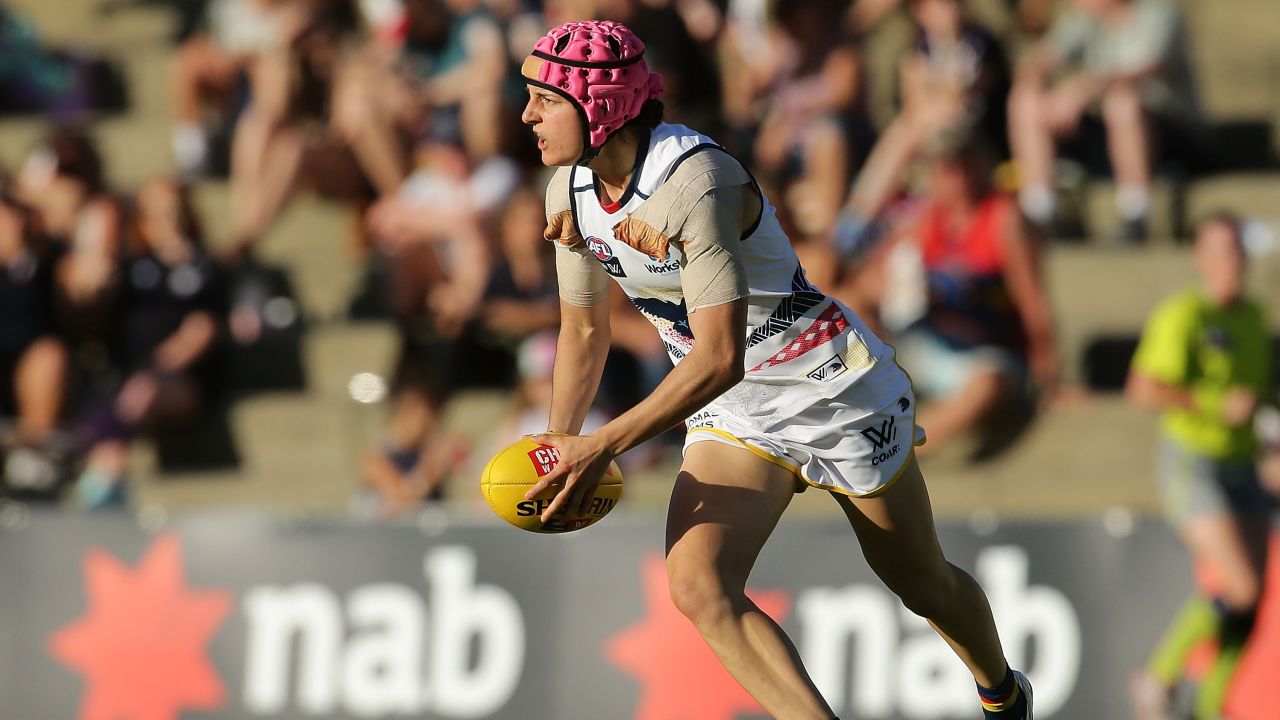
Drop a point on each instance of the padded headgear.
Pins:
(599, 67)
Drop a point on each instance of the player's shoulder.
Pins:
(685, 160)
(1179, 309)
(557, 195)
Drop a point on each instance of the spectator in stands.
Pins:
(434, 231)
(1204, 362)
(36, 78)
(816, 129)
(521, 298)
(448, 63)
(531, 408)
(749, 60)
(33, 360)
(62, 181)
(1130, 60)
(984, 346)
(678, 45)
(1029, 16)
(170, 309)
(413, 463)
(431, 235)
(207, 71)
(956, 79)
(276, 145)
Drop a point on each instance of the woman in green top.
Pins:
(1204, 362)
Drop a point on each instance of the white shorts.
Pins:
(835, 444)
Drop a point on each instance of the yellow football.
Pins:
(523, 463)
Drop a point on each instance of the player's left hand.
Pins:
(583, 462)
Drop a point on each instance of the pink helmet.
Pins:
(599, 66)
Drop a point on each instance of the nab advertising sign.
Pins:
(249, 617)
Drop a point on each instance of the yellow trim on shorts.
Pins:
(793, 468)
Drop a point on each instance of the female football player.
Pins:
(784, 387)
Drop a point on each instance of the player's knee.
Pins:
(698, 595)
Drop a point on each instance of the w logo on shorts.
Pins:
(881, 436)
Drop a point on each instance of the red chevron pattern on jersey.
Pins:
(828, 325)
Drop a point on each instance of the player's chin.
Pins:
(551, 158)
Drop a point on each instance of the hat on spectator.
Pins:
(599, 67)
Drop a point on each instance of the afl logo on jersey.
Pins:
(604, 254)
(600, 249)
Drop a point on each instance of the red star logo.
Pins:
(141, 642)
(681, 677)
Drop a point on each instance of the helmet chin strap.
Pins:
(588, 155)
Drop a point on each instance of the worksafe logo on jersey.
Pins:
(544, 459)
(604, 254)
(662, 268)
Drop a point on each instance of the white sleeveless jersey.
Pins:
(802, 346)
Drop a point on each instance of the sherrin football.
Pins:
(523, 463)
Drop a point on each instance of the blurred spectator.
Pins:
(678, 44)
(170, 306)
(450, 58)
(1128, 58)
(207, 71)
(33, 361)
(433, 231)
(816, 129)
(1030, 16)
(1204, 362)
(985, 341)
(290, 80)
(62, 180)
(468, 76)
(749, 60)
(522, 296)
(35, 78)
(431, 238)
(955, 80)
(414, 460)
(531, 410)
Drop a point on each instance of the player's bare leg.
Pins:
(725, 504)
(900, 544)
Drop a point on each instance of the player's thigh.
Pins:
(725, 504)
(896, 531)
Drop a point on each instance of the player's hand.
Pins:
(583, 462)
